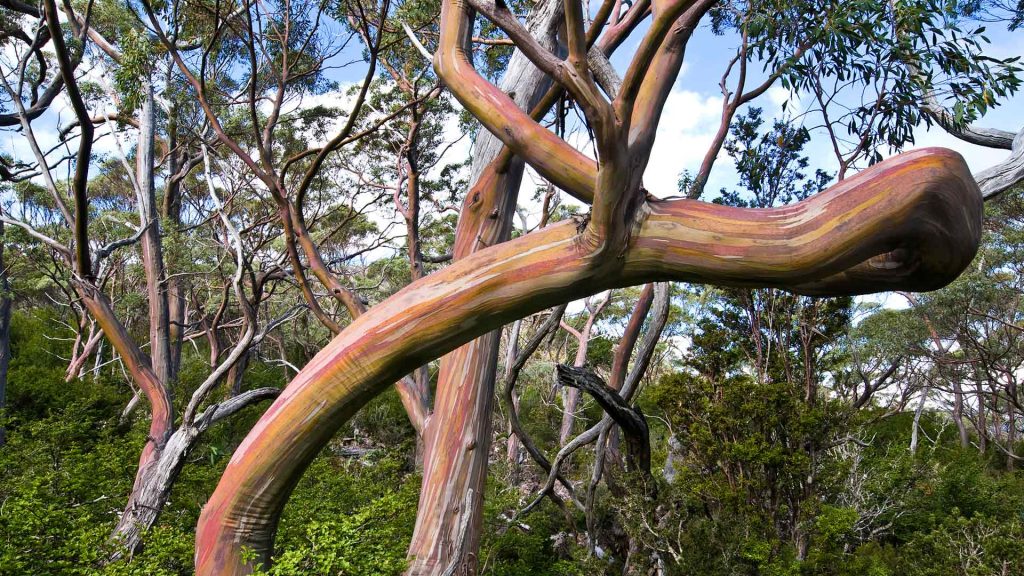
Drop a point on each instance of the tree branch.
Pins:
(630, 420)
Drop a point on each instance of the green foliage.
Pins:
(882, 57)
(873, 510)
(135, 69)
(770, 166)
(69, 463)
(349, 518)
(383, 421)
(974, 546)
(63, 478)
(538, 544)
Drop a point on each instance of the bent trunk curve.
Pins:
(912, 223)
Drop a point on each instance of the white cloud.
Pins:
(688, 125)
(779, 95)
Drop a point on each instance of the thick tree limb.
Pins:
(466, 377)
(859, 236)
(551, 156)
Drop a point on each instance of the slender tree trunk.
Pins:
(5, 332)
(76, 367)
(420, 376)
(958, 413)
(152, 249)
(979, 392)
(571, 396)
(70, 374)
(147, 477)
(1011, 441)
(1011, 429)
(917, 420)
(130, 407)
(171, 212)
(236, 372)
(512, 445)
(98, 363)
(458, 435)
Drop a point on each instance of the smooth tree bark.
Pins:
(998, 178)
(458, 434)
(1004, 175)
(462, 410)
(858, 236)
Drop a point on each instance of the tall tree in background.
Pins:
(89, 262)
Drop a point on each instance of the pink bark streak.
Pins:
(912, 222)
(459, 433)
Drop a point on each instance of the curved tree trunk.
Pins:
(161, 419)
(912, 222)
